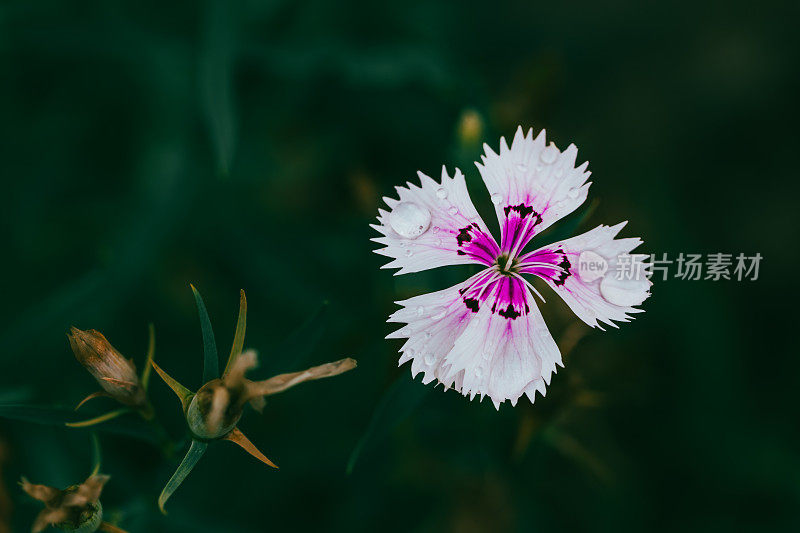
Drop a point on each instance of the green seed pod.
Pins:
(88, 522)
(214, 411)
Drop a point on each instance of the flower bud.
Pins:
(115, 374)
(76, 509)
(214, 411)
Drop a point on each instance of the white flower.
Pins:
(486, 335)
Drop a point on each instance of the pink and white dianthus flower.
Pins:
(486, 336)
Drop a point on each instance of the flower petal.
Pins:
(531, 185)
(433, 225)
(585, 271)
(485, 336)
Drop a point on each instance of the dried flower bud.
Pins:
(115, 374)
(218, 405)
(76, 508)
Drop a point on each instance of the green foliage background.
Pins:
(148, 145)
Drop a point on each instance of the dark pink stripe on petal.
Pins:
(519, 227)
(549, 264)
(473, 242)
(507, 296)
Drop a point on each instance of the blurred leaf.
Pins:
(210, 358)
(216, 80)
(58, 416)
(573, 449)
(397, 403)
(196, 451)
(293, 351)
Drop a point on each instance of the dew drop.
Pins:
(409, 220)
(453, 210)
(420, 311)
(486, 356)
(430, 359)
(549, 154)
(441, 193)
(440, 242)
(435, 229)
(496, 199)
(522, 167)
(478, 372)
(573, 193)
(409, 253)
(439, 315)
(428, 335)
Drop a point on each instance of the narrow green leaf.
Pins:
(98, 419)
(238, 338)
(151, 352)
(396, 404)
(210, 358)
(96, 455)
(196, 451)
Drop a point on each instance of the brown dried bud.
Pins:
(76, 508)
(218, 405)
(115, 374)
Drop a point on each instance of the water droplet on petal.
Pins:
(441, 193)
(428, 335)
(623, 292)
(440, 242)
(436, 229)
(453, 210)
(409, 220)
(478, 372)
(549, 154)
(573, 193)
(496, 199)
(409, 253)
(486, 356)
(430, 359)
(522, 167)
(420, 311)
(439, 315)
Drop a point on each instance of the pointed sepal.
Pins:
(210, 358)
(98, 394)
(196, 451)
(184, 394)
(238, 338)
(238, 437)
(99, 419)
(151, 352)
(110, 528)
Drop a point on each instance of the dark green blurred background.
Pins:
(148, 145)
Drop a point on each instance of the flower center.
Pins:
(506, 265)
